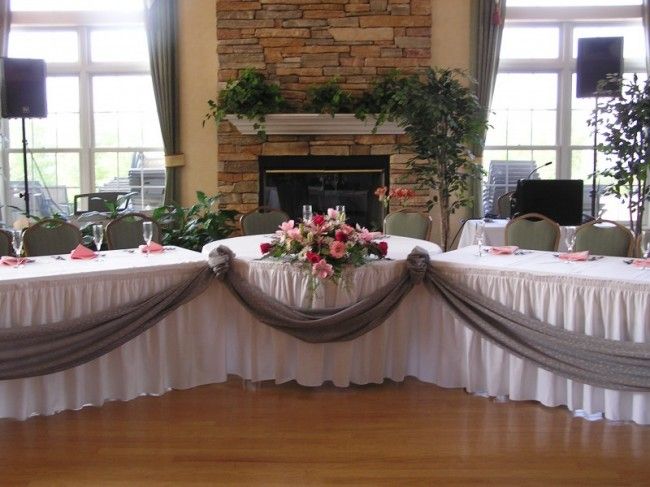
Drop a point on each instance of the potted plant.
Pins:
(329, 98)
(626, 142)
(442, 118)
(249, 96)
(193, 227)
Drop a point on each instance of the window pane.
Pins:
(633, 38)
(61, 127)
(530, 43)
(119, 45)
(54, 179)
(71, 5)
(54, 46)
(125, 112)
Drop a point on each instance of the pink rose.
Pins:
(337, 249)
(341, 236)
(383, 248)
(332, 213)
(312, 257)
(322, 269)
(346, 229)
(286, 226)
(318, 220)
(265, 247)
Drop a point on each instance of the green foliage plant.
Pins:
(626, 143)
(329, 98)
(443, 119)
(193, 227)
(249, 96)
(381, 101)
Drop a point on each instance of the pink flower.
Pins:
(294, 234)
(332, 213)
(381, 192)
(286, 226)
(337, 249)
(317, 220)
(341, 236)
(312, 257)
(346, 229)
(383, 247)
(265, 247)
(322, 269)
(366, 236)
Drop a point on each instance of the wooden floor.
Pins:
(391, 434)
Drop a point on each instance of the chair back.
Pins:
(533, 231)
(408, 223)
(125, 232)
(51, 237)
(97, 201)
(641, 242)
(604, 237)
(6, 247)
(262, 220)
(503, 204)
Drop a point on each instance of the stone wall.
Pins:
(300, 43)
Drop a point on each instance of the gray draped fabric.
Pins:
(162, 39)
(29, 351)
(646, 31)
(488, 17)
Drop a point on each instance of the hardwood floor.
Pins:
(390, 434)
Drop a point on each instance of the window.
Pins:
(536, 114)
(102, 131)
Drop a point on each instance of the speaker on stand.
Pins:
(598, 57)
(23, 96)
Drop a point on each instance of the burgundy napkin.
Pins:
(575, 256)
(82, 253)
(504, 250)
(153, 247)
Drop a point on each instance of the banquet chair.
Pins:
(125, 232)
(97, 201)
(604, 237)
(503, 204)
(533, 231)
(640, 242)
(6, 248)
(262, 219)
(408, 223)
(50, 237)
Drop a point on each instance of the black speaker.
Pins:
(23, 88)
(598, 57)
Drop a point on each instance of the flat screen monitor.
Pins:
(558, 199)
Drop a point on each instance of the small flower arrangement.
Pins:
(401, 194)
(324, 245)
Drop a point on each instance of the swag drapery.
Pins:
(161, 19)
(612, 364)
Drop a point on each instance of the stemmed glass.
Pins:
(306, 213)
(645, 244)
(569, 240)
(17, 243)
(479, 236)
(98, 236)
(147, 234)
(340, 210)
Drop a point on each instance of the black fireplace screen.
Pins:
(288, 183)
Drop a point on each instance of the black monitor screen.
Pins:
(558, 199)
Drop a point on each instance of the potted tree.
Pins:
(442, 118)
(626, 142)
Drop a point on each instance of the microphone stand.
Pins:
(26, 192)
(593, 176)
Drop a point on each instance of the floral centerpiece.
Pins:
(400, 194)
(324, 245)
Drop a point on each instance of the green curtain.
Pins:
(487, 18)
(162, 39)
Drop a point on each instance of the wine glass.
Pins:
(340, 211)
(17, 243)
(569, 240)
(98, 236)
(306, 213)
(147, 234)
(645, 244)
(479, 236)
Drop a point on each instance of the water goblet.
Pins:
(645, 244)
(340, 212)
(569, 240)
(17, 243)
(147, 234)
(479, 236)
(306, 213)
(98, 236)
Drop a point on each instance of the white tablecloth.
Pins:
(495, 234)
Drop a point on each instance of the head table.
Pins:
(213, 335)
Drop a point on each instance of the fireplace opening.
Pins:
(289, 182)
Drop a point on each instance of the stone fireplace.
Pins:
(300, 43)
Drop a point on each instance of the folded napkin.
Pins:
(83, 253)
(14, 261)
(575, 256)
(504, 250)
(153, 247)
(643, 263)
